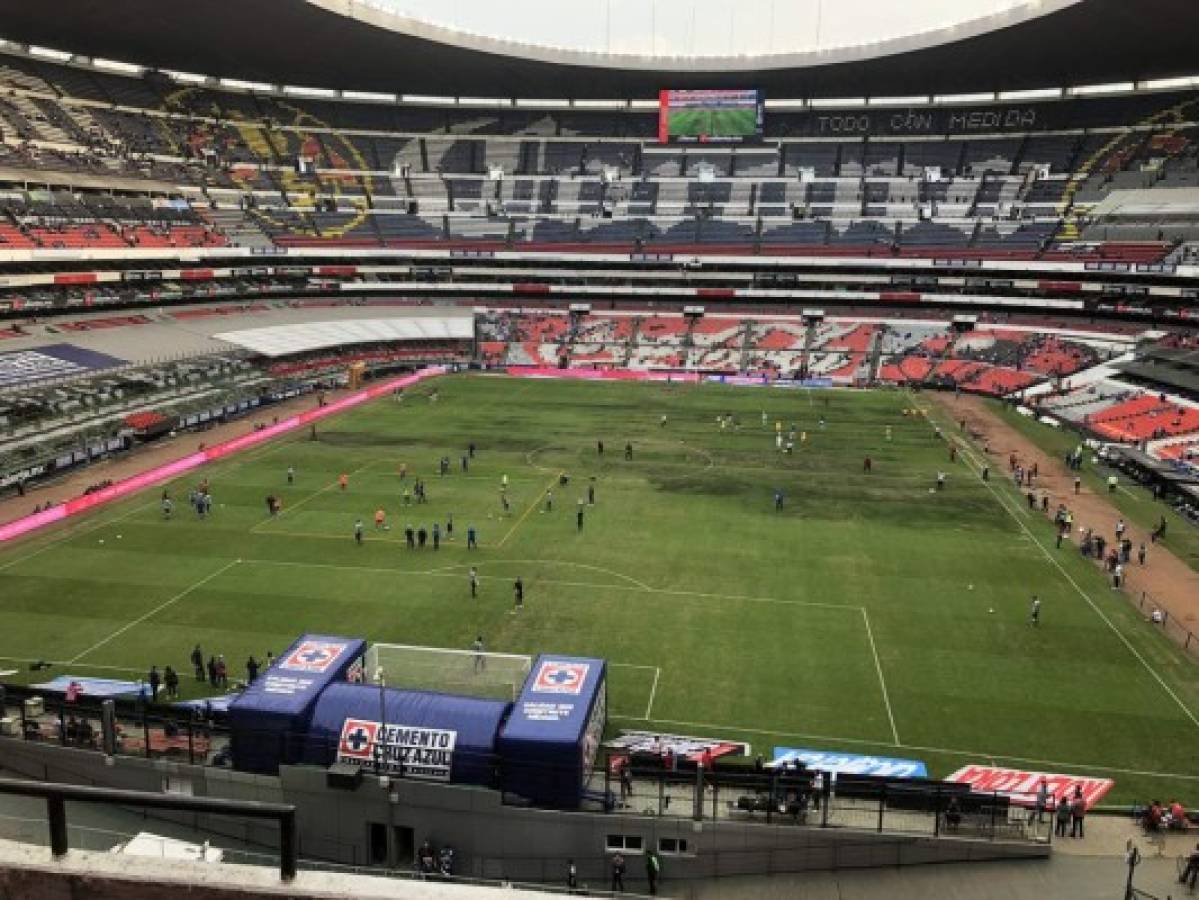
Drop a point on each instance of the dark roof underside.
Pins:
(292, 42)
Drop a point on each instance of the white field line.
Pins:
(199, 584)
(437, 573)
(878, 667)
(649, 707)
(537, 501)
(286, 509)
(971, 458)
(1048, 764)
(86, 528)
(63, 662)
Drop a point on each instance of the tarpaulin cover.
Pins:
(411, 734)
(270, 719)
(549, 742)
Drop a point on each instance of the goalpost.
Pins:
(498, 676)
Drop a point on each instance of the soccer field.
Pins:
(713, 122)
(870, 615)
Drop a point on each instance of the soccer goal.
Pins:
(498, 676)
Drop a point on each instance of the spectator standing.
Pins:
(618, 868)
(1061, 817)
(170, 680)
(1078, 813)
(1192, 868)
(155, 679)
(653, 868)
(572, 876)
(251, 670)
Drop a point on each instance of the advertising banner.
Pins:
(850, 763)
(398, 749)
(677, 745)
(1022, 786)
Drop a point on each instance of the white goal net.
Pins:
(498, 676)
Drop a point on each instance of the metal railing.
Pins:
(1169, 623)
(739, 794)
(57, 795)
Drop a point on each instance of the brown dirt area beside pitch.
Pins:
(1169, 580)
(156, 454)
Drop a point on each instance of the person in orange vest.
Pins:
(343, 480)
(380, 519)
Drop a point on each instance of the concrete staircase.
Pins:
(240, 230)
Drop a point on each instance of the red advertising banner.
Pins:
(1022, 786)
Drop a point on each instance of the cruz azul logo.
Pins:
(313, 656)
(560, 678)
(404, 750)
(357, 739)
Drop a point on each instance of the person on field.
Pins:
(473, 575)
(518, 594)
(1034, 611)
(472, 538)
(480, 659)
(410, 536)
(778, 500)
(170, 681)
(422, 537)
(211, 668)
(599, 448)
(197, 659)
(358, 531)
(579, 516)
(343, 481)
(154, 677)
(436, 535)
(252, 667)
(549, 501)
(591, 492)
(628, 451)
(380, 519)
(291, 474)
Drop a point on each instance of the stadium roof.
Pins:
(352, 45)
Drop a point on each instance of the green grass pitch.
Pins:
(713, 122)
(846, 621)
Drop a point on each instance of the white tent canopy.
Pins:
(284, 340)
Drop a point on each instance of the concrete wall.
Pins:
(493, 840)
(30, 873)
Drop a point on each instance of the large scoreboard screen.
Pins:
(709, 116)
